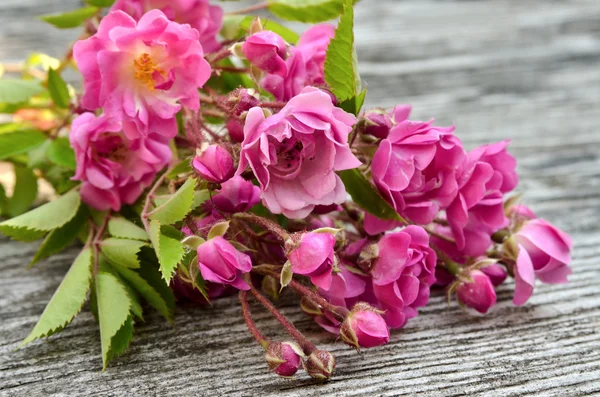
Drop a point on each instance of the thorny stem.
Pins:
(260, 338)
(249, 9)
(307, 346)
(450, 265)
(264, 223)
(212, 112)
(221, 54)
(231, 69)
(304, 291)
(145, 211)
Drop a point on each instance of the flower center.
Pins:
(111, 147)
(145, 70)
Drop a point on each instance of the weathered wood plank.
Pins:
(498, 69)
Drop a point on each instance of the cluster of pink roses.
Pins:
(146, 62)
(140, 73)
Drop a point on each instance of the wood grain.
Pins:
(525, 70)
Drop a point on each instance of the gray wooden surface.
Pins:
(521, 69)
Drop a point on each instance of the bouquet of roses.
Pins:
(213, 154)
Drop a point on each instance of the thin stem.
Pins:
(264, 223)
(440, 236)
(150, 196)
(219, 55)
(212, 112)
(249, 9)
(304, 343)
(340, 311)
(260, 338)
(450, 265)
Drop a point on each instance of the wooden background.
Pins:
(520, 69)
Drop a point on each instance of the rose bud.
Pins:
(283, 358)
(313, 257)
(221, 263)
(267, 51)
(236, 195)
(214, 164)
(320, 365)
(378, 123)
(478, 294)
(364, 327)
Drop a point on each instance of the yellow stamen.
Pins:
(144, 68)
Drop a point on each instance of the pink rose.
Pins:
(313, 257)
(221, 263)
(380, 122)
(141, 73)
(544, 252)
(114, 169)
(305, 64)
(236, 195)
(412, 277)
(478, 210)
(267, 51)
(294, 154)
(415, 170)
(207, 19)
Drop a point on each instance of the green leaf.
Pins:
(59, 239)
(100, 3)
(148, 292)
(20, 141)
(122, 251)
(150, 272)
(35, 223)
(136, 307)
(114, 307)
(341, 75)
(71, 19)
(177, 206)
(366, 196)
(58, 89)
(354, 104)
(168, 251)
(17, 91)
(25, 191)
(183, 167)
(60, 152)
(309, 11)
(68, 299)
(122, 228)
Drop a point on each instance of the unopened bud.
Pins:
(367, 257)
(478, 293)
(320, 365)
(364, 327)
(283, 358)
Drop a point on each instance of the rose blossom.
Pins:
(113, 168)
(544, 252)
(142, 73)
(478, 210)
(305, 64)
(220, 262)
(267, 51)
(207, 19)
(313, 257)
(294, 154)
(403, 275)
(236, 195)
(415, 170)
